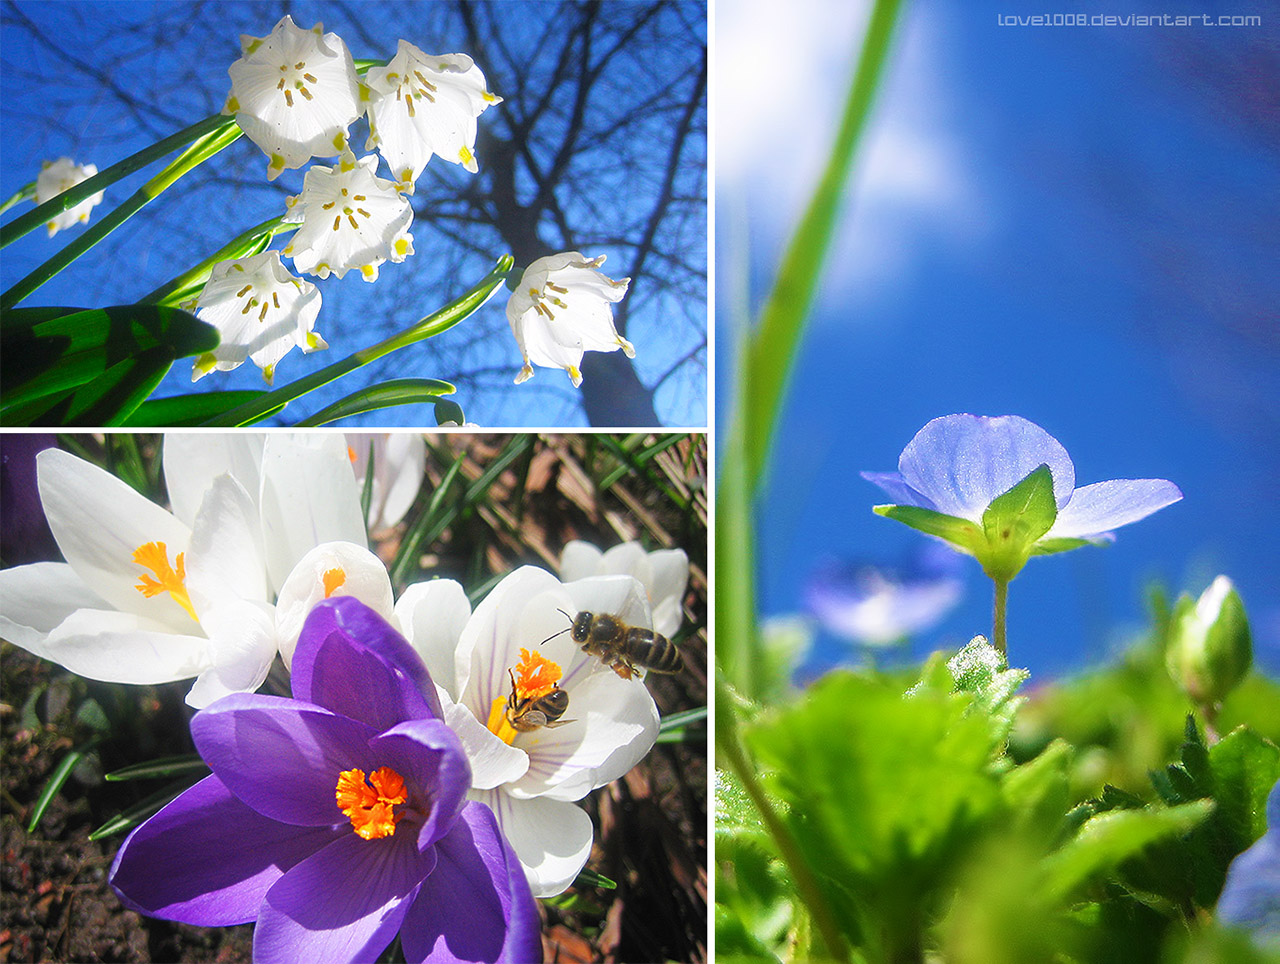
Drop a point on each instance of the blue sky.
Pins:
(66, 91)
(1073, 225)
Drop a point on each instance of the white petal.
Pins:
(99, 523)
(193, 460)
(579, 560)
(225, 558)
(125, 648)
(330, 569)
(242, 644)
(620, 596)
(309, 497)
(34, 599)
(433, 615)
(552, 839)
(615, 725)
(493, 762)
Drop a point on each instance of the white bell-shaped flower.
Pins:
(61, 175)
(350, 218)
(425, 105)
(294, 93)
(261, 312)
(562, 308)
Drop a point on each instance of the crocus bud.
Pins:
(1210, 649)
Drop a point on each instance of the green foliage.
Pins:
(940, 821)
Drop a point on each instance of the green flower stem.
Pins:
(771, 354)
(184, 285)
(203, 149)
(428, 327)
(998, 629)
(70, 198)
(24, 193)
(802, 876)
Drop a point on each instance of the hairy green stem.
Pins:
(999, 637)
(70, 198)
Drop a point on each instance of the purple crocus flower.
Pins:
(1251, 896)
(958, 465)
(337, 818)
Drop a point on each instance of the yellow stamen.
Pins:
(332, 579)
(535, 676)
(369, 808)
(155, 556)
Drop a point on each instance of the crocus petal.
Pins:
(350, 661)
(242, 643)
(493, 762)
(898, 490)
(125, 648)
(1103, 506)
(399, 466)
(225, 555)
(551, 838)
(35, 598)
(343, 903)
(193, 460)
(309, 496)
(329, 571)
(250, 741)
(615, 724)
(430, 758)
(207, 859)
(99, 523)
(476, 905)
(432, 615)
(962, 462)
(578, 560)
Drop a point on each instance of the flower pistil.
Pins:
(369, 805)
(155, 556)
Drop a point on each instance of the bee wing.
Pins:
(620, 596)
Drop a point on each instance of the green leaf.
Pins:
(397, 391)
(178, 411)
(1014, 521)
(108, 399)
(50, 351)
(961, 533)
(1109, 839)
(162, 767)
(139, 811)
(56, 780)
(1245, 768)
(589, 878)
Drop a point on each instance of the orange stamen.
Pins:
(536, 676)
(369, 807)
(155, 556)
(332, 579)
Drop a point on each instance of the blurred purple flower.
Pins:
(24, 531)
(880, 605)
(337, 818)
(1251, 896)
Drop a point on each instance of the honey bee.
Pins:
(525, 714)
(623, 647)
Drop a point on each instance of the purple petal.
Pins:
(430, 758)
(898, 490)
(351, 661)
(962, 462)
(280, 756)
(477, 905)
(208, 859)
(1103, 506)
(343, 903)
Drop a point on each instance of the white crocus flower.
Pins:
(294, 93)
(425, 105)
(61, 175)
(350, 218)
(530, 778)
(261, 311)
(143, 597)
(563, 307)
(399, 466)
(149, 596)
(664, 573)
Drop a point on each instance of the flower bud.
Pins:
(1209, 648)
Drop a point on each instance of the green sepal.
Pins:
(1014, 521)
(961, 533)
(51, 351)
(1049, 547)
